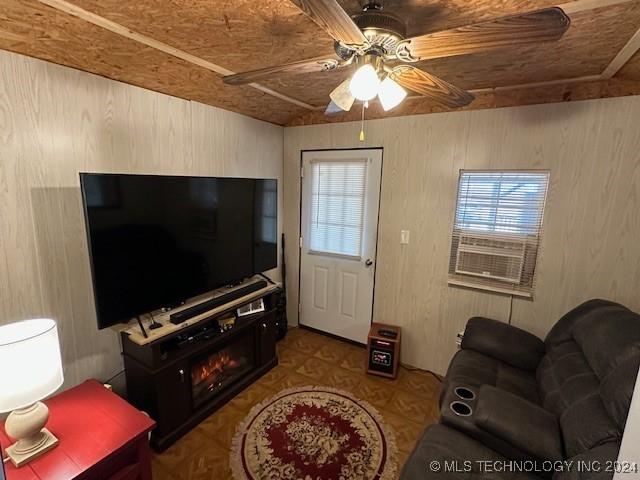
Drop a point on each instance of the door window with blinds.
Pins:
(497, 227)
(337, 207)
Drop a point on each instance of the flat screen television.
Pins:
(155, 241)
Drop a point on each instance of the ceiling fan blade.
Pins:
(318, 64)
(534, 27)
(332, 18)
(431, 86)
(333, 110)
(341, 96)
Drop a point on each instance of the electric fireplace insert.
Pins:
(215, 371)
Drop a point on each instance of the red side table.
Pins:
(101, 437)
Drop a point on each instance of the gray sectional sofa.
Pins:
(515, 407)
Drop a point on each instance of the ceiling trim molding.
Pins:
(570, 92)
(623, 56)
(586, 78)
(518, 86)
(582, 5)
(119, 29)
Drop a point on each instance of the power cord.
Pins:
(267, 278)
(116, 375)
(510, 308)
(416, 369)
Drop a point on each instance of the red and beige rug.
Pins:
(313, 433)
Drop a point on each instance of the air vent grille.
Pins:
(490, 258)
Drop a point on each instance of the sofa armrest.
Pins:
(523, 424)
(504, 342)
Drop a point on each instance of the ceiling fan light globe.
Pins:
(365, 83)
(391, 94)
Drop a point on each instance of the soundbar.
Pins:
(187, 313)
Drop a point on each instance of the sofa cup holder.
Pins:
(464, 393)
(461, 409)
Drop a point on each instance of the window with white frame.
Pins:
(337, 206)
(496, 231)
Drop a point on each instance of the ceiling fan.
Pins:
(375, 42)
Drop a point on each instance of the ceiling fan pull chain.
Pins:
(364, 105)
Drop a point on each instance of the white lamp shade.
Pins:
(365, 83)
(31, 363)
(390, 94)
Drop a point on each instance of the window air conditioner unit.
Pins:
(490, 257)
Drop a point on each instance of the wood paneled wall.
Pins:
(590, 244)
(56, 122)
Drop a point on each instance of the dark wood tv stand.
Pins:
(183, 376)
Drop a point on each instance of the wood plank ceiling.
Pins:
(183, 47)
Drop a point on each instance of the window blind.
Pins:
(497, 227)
(337, 207)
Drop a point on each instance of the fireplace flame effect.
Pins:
(212, 368)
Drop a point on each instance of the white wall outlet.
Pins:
(404, 237)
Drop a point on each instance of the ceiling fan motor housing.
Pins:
(383, 31)
(380, 23)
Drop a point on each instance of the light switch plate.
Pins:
(404, 237)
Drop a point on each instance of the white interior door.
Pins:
(339, 229)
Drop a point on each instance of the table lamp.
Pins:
(31, 371)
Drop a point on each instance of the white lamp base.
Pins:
(19, 454)
(26, 425)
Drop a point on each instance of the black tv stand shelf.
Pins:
(164, 375)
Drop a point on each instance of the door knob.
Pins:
(368, 262)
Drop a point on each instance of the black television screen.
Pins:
(155, 241)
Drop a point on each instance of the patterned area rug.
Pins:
(313, 433)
